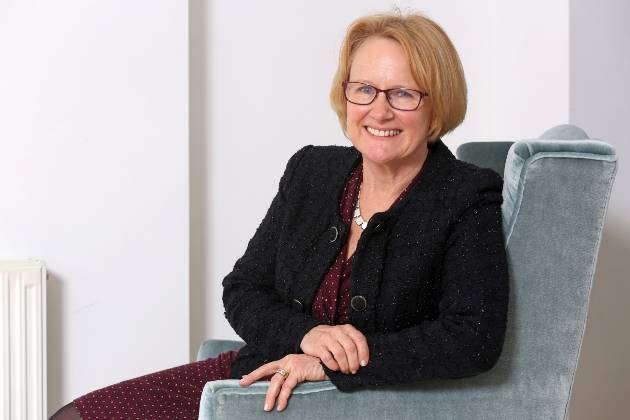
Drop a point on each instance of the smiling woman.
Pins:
(429, 60)
(377, 264)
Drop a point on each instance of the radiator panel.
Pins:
(23, 333)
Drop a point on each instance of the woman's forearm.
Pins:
(252, 304)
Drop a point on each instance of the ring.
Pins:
(283, 373)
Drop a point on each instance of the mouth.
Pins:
(382, 133)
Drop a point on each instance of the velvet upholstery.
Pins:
(490, 154)
(556, 191)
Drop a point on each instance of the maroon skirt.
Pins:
(168, 394)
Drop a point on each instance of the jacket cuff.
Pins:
(300, 331)
(345, 382)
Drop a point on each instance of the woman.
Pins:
(381, 263)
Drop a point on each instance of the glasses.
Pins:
(402, 99)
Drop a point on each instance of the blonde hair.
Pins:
(434, 64)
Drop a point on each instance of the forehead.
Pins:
(383, 62)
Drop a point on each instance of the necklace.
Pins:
(357, 214)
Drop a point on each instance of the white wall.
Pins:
(600, 103)
(94, 180)
(515, 58)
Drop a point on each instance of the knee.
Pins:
(67, 412)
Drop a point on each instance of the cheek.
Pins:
(416, 123)
(354, 115)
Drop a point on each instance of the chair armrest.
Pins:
(212, 348)
(467, 398)
(228, 400)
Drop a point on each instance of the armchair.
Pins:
(556, 191)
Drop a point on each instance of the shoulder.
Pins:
(467, 184)
(325, 156)
(475, 177)
(321, 163)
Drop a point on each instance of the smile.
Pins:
(382, 133)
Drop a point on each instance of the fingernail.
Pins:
(266, 408)
(278, 408)
(354, 372)
(363, 363)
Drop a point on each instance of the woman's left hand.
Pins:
(300, 368)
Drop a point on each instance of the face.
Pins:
(382, 63)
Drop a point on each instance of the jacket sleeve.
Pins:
(466, 337)
(252, 305)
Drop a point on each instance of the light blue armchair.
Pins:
(556, 191)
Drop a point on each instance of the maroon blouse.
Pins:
(333, 296)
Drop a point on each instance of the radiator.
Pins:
(23, 335)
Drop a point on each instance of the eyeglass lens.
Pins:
(363, 94)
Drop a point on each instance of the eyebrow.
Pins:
(367, 82)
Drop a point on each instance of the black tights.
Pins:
(67, 412)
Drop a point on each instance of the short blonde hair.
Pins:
(434, 63)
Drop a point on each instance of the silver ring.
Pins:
(336, 231)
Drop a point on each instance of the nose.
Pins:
(381, 109)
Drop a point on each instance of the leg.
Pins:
(67, 412)
(169, 394)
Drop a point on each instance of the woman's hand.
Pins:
(339, 347)
(300, 368)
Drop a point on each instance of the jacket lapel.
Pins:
(332, 232)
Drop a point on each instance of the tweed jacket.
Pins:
(429, 283)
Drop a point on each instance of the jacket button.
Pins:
(358, 303)
(335, 234)
(297, 305)
(378, 227)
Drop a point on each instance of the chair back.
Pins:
(556, 191)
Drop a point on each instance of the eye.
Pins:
(404, 94)
(365, 89)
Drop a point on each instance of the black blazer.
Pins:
(429, 276)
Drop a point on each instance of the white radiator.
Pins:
(23, 345)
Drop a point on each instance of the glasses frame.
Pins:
(386, 92)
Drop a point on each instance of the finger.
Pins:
(340, 355)
(261, 372)
(328, 359)
(273, 391)
(285, 392)
(351, 352)
(361, 342)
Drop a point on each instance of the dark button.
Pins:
(297, 305)
(358, 303)
(378, 227)
(335, 234)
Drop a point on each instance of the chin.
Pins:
(380, 155)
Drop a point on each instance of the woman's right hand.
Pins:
(339, 347)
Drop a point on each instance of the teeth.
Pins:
(383, 133)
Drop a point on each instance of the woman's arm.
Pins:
(467, 336)
(252, 305)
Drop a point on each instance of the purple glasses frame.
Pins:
(385, 91)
